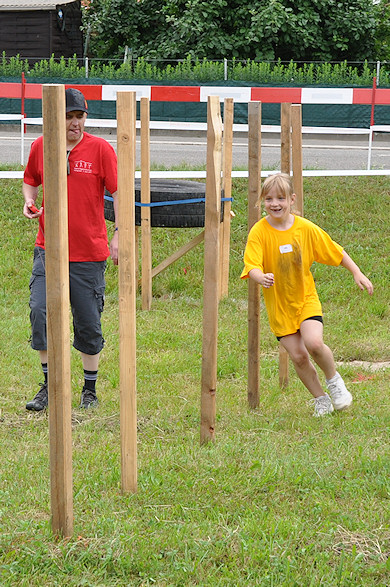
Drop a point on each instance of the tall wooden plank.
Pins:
(126, 134)
(254, 188)
(227, 164)
(211, 272)
(146, 232)
(285, 167)
(57, 300)
(297, 164)
(285, 137)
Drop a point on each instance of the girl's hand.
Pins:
(363, 282)
(268, 280)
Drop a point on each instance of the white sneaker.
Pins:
(322, 405)
(341, 398)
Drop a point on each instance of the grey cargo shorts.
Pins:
(86, 289)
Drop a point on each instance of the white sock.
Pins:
(333, 378)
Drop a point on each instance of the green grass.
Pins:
(281, 498)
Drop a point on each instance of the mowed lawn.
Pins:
(280, 498)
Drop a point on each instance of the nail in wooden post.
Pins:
(126, 116)
(146, 233)
(57, 301)
(285, 167)
(254, 188)
(211, 270)
(227, 163)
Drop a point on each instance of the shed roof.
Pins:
(24, 5)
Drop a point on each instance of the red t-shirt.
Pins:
(93, 166)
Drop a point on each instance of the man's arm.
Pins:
(115, 238)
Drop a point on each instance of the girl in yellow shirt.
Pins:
(280, 250)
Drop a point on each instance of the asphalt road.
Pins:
(172, 149)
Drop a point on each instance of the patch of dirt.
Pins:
(370, 365)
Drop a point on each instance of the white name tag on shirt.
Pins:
(286, 249)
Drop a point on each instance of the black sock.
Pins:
(90, 379)
(44, 369)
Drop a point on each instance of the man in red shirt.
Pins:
(91, 166)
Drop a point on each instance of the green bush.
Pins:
(195, 70)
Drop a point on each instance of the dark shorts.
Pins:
(318, 318)
(86, 290)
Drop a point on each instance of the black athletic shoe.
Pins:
(40, 401)
(88, 399)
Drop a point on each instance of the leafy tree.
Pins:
(382, 38)
(302, 30)
(114, 24)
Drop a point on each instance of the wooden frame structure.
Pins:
(147, 271)
(57, 270)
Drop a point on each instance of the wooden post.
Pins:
(126, 134)
(146, 234)
(137, 279)
(57, 301)
(211, 270)
(227, 163)
(285, 167)
(254, 188)
(285, 138)
(297, 166)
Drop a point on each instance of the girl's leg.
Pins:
(305, 369)
(312, 335)
(312, 331)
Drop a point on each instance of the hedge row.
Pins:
(194, 70)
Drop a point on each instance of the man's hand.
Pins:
(114, 248)
(30, 210)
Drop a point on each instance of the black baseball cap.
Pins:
(75, 100)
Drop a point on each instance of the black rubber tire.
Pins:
(173, 215)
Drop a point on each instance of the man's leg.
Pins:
(87, 300)
(88, 394)
(38, 325)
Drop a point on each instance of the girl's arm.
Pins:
(265, 279)
(360, 279)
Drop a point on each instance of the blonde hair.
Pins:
(282, 181)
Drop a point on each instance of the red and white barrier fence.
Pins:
(240, 94)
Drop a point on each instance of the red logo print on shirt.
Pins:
(82, 166)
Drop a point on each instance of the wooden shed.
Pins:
(38, 29)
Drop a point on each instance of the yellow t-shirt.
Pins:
(289, 254)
